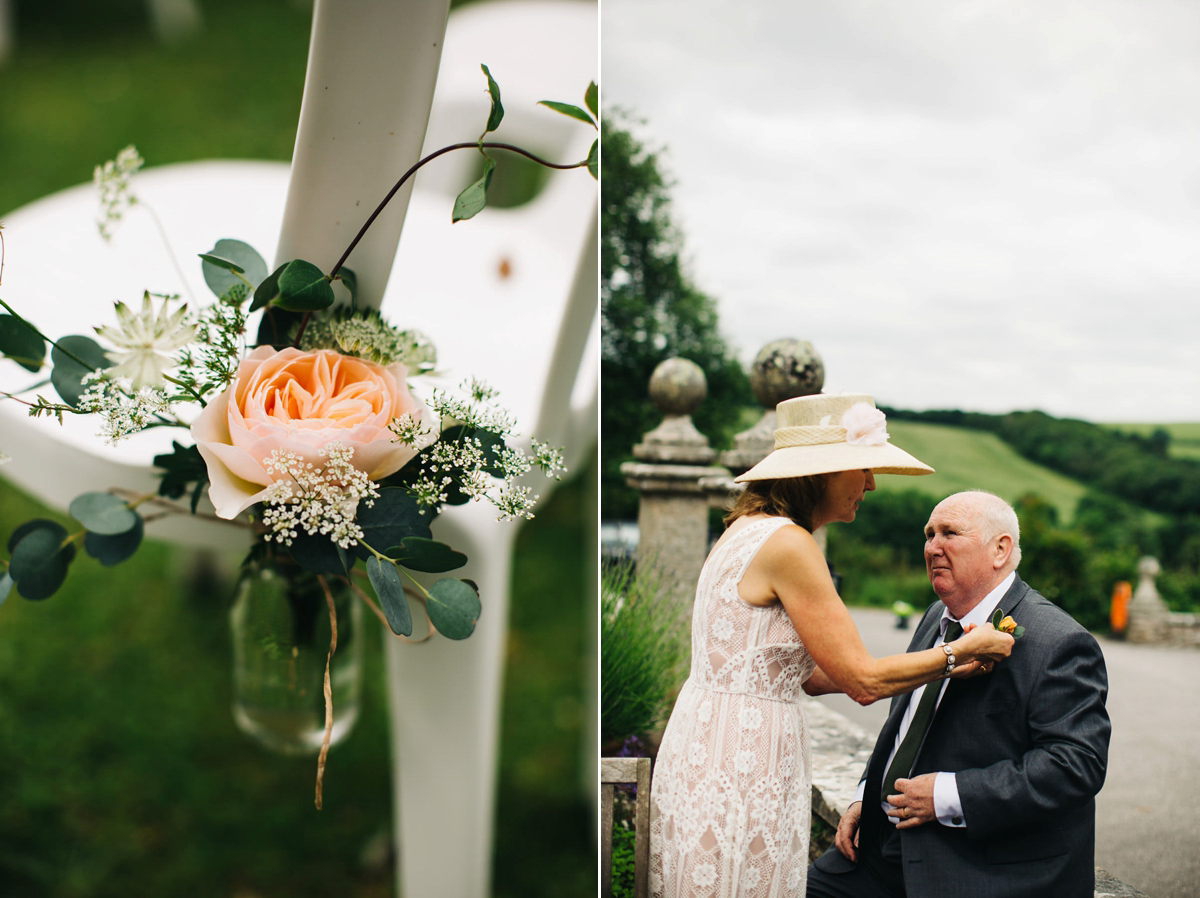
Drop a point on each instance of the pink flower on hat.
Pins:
(865, 425)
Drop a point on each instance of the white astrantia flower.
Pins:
(145, 339)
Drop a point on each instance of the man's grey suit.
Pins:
(1029, 745)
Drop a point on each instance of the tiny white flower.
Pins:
(145, 339)
(793, 878)
(751, 877)
(697, 753)
(743, 762)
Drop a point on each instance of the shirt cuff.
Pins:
(946, 803)
(860, 791)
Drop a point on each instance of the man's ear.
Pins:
(1004, 547)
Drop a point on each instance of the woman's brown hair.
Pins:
(790, 497)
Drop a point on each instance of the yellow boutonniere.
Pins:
(1005, 624)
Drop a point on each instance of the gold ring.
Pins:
(904, 813)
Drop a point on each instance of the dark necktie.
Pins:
(922, 717)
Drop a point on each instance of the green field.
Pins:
(972, 459)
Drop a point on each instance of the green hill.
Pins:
(967, 459)
(1185, 435)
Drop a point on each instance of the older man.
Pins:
(986, 789)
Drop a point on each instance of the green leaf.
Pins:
(997, 616)
(393, 517)
(115, 548)
(428, 555)
(211, 259)
(304, 288)
(350, 279)
(68, 373)
(591, 98)
(567, 109)
(471, 201)
(267, 290)
(182, 466)
(497, 112)
(453, 608)
(230, 256)
(21, 343)
(103, 513)
(319, 554)
(593, 159)
(390, 588)
(40, 561)
(28, 527)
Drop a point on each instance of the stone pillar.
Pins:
(669, 464)
(1148, 614)
(783, 369)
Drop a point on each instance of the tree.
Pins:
(649, 311)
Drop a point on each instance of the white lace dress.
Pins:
(730, 804)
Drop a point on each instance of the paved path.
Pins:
(1148, 814)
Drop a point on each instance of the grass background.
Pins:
(123, 773)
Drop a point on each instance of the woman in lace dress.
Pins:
(730, 803)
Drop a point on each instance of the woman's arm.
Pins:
(791, 567)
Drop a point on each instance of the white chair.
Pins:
(510, 296)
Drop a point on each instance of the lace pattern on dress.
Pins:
(731, 797)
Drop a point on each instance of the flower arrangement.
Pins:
(321, 433)
(1005, 624)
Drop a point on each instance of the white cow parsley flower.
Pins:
(145, 339)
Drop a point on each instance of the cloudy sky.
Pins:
(981, 204)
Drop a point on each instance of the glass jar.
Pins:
(280, 629)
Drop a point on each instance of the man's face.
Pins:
(960, 562)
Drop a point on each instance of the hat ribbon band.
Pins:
(789, 437)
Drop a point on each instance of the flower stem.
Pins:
(482, 145)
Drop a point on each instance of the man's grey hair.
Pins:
(996, 516)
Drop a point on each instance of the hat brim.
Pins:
(826, 458)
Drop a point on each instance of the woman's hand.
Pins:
(985, 645)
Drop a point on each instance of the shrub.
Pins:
(643, 649)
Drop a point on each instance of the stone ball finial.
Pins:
(1148, 566)
(784, 369)
(678, 386)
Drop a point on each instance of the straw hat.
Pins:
(823, 433)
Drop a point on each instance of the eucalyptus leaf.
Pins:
(471, 201)
(453, 608)
(593, 159)
(40, 561)
(36, 524)
(103, 513)
(227, 257)
(428, 555)
(21, 343)
(394, 516)
(115, 548)
(350, 279)
(497, 111)
(997, 616)
(68, 373)
(303, 287)
(591, 98)
(267, 290)
(569, 110)
(390, 588)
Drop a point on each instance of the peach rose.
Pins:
(301, 402)
(1008, 625)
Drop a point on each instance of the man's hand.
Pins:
(846, 838)
(913, 805)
